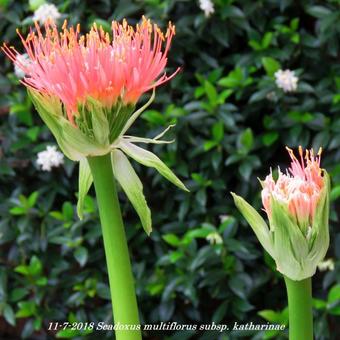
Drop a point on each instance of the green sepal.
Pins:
(49, 116)
(71, 140)
(78, 145)
(155, 140)
(103, 124)
(137, 113)
(132, 186)
(319, 240)
(149, 159)
(257, 223)
(290, 245)
(85, 181)
(121, 116)
(92, 121)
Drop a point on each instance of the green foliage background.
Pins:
(232, 124)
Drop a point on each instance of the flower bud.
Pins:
(297, 206)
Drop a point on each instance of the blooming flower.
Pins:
(73, 67)
(46, 12)
(22, 60)
(297, 206)
(286, 80)
(50, 158)
(85, 89)
(207, 6)
(299, 189)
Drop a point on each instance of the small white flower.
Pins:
(50, 158)
(207, 7)
(46, 11)
(326, 265)
(214, 238)
(23, 60)
(286, 80)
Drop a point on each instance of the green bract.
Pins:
(76, 143)
(100, 131)
(296, 254)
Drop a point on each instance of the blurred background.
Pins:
(233, 117)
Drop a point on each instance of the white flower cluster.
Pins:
(46, 11)
(326, 265)
(22, 59)
(50, 158)
(207, 7)
(286, 80)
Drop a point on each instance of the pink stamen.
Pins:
(299, 188)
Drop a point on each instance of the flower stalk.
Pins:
(85, 88)
(300, 308)
(124, 303)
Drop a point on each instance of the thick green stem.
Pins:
(300, 309)
(124, 303)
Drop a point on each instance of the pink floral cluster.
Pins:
(299, 188)
(73, 67)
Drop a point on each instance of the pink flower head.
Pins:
(74, 67)
(299, 188)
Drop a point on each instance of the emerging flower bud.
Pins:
(297, 205)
